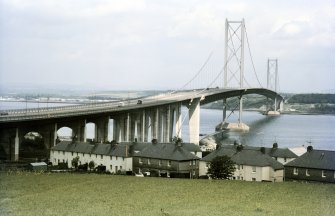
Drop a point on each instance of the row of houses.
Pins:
(185, 160)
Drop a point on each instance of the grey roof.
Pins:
(280, 152)
(247, 156)
(315, 159)
(167, 151)
(88, 148)
(139, 146)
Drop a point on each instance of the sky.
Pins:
(151, 44)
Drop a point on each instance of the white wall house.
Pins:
(250, 164)
(115, 158)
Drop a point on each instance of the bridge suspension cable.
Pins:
(199, 71)
(251, 58)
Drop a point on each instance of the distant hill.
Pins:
(312, 98)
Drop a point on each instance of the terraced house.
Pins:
(314, 165)
(168, 159)
(252, 163)
(114, 157)
(164, 159)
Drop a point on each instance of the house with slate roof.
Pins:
(252, 163)
(114, 157)
(282, 155)
(167, 159)
(314, 165)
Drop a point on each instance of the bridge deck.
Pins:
(206, 95)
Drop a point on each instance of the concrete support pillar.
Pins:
(101, 128)
(155, 124)
(79, 130)
(16, 145)
(144, 127)
(178, 120)
(121, 130)
(134, 129)
(241, 110)
(127, 138)
(55, 135)
(224, 110)
(171, 123)
(194, 120)
(115, 130)
(166, 125)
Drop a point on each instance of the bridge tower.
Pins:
(234, 68)
(272, 84)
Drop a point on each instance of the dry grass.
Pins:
(91, 194)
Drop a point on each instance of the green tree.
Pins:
(91, 165)
(221, 167)
(75, 162)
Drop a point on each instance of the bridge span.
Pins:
(142, 119)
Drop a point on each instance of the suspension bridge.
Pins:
(153, 117)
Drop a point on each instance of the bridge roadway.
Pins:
(205, 95)
(156, 117)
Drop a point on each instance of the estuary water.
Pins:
(287, 130)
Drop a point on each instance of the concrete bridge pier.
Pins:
(235, 126)
(101, 129)
(278, 107)
(16, 145)
(78, 130)
(178, 123)
(194, 120)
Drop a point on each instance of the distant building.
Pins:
(168, 159)
(252, 163)
(314, 165)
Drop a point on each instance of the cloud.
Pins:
(76, 8)
(294, 30)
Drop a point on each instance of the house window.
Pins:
(238, 167)
(253, 179)
(120, 167)
(253, 169)
(111, 167)
(101, 156)
(96, 156)
(111, 157)
(77, 153)
(307, 172)
(115, 157)
(116, 169)
(148, 161)
(285, 159)
(140, 160)
(83, 154)
(160, 162)
(63, 152)
(122, 158)
(295, 171)
(324, 174)
(169, 163)
(242, 166)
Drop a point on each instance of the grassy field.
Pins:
(92, 194)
